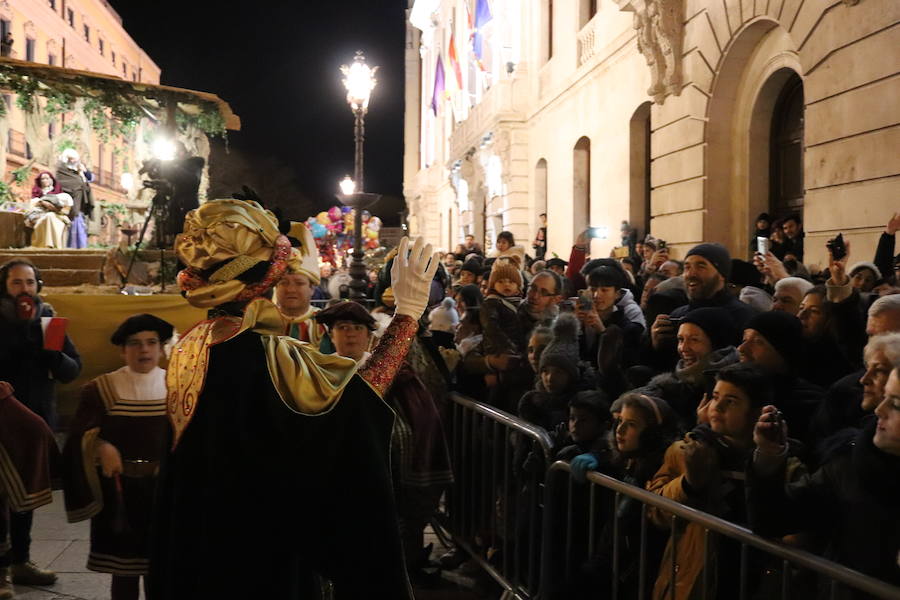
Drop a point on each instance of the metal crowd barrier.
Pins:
(843, 582)
(493, 509)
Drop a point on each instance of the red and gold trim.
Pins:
(389, 353)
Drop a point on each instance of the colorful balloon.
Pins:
(323, 218)
(318, 230)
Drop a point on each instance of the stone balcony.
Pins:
(506, 100)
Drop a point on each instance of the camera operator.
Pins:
(176, 182)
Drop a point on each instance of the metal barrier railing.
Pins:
(493, 509)
(552, 583)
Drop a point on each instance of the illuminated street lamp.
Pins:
(359, 79)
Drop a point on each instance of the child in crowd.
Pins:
(706, 471)
(559, 377)
(643, 427)
(504, 338)
(443, 321)
(538, 341)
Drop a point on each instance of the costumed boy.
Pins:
(278, 467)
(420, 459)
(112, 455)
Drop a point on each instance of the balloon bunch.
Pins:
(333, 231)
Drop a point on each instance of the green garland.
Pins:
(113, 107)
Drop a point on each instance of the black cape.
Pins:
(256, 497)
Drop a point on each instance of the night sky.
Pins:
(277, 65)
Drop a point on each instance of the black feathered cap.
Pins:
(345, 311)
(142, 322)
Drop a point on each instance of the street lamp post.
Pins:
(359, 79)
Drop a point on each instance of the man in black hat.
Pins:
(774, 342)
(420, 464)
(706, 271)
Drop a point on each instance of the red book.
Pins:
(54, 332)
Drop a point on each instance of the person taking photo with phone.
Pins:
(706, 271)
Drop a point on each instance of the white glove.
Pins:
(411, 277)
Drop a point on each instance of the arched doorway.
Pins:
(758, 83)
(786, 151)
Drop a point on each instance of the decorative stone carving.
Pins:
(5, 10)
(660, 35)
(29, 28)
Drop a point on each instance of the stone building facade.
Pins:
(86, 35)
(685, 117)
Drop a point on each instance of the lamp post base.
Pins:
(358, 274)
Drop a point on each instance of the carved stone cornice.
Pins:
(660, 36)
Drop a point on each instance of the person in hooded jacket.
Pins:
(705, 471)
(706, 343)
(850, 501)
(644, 427)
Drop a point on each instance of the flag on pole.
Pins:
(482, 17)
(438, 85)
(454, 62)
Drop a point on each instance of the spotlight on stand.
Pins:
(163, 148)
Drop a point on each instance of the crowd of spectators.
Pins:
(763, 391)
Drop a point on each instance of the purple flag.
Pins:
(438, 85)
(482, 16)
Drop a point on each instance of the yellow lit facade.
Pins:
(685, 117)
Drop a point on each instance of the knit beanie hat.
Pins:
(562, 351)
(716, 323)
(472, 265)
(593, 400)
(764, 217)
(716, 254)
(865, 265)
(744, 273)
(783, 331)
(503, 269)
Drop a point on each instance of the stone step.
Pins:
(70, 277)
(59, 261)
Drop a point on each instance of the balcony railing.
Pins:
(588, 41)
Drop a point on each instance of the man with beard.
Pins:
(706, 270)
(773, 341)
(32, 370)
(542, 299)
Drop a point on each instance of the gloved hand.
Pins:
(581, 464)
(411, 277)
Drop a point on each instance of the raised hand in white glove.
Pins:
(411, 277)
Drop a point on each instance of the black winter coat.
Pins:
(31, 370)
(851, 501)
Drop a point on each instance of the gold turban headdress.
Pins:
(223, 239)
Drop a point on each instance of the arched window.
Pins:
(547, 31)
(540, 187)
(786, 150)
(586, 11)
(639, 170)
(581, 185)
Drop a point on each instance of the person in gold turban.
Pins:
(279, 464)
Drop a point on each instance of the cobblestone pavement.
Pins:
(63, 547)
